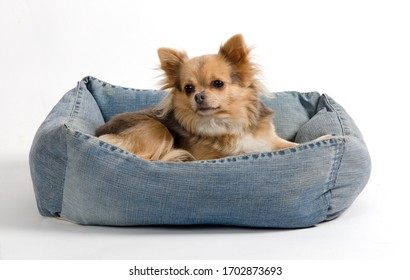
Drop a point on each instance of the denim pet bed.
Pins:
(80, 178)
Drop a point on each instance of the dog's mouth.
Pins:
(207, 110)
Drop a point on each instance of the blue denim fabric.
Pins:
(85, 180)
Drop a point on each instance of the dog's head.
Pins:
(212, 94)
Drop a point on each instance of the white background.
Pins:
(355, 51)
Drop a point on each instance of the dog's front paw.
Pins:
(324, 137)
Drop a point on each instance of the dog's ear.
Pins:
(171, 61)
(236, 52)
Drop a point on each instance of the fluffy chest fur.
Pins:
(216, 147)
(252, 143)
(219, 137)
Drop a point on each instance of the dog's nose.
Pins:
(200, 97)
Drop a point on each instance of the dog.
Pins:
(213, 109)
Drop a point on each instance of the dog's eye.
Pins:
(189, 89)
(217, 84)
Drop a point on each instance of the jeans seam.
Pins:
(335, 107)
(68, 128)
(339, 151)
(76, 104)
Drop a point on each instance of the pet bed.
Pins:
(83, 179)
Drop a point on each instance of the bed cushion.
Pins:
(83, 179)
